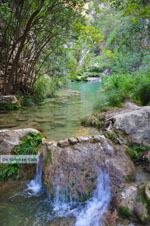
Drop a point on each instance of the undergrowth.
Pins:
(118, 88)
(29, 145)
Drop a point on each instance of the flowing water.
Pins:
(31, 204)
(34, 206)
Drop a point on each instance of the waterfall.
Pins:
(90, 212)
(97, 206)
(87, 213)
(35, 185)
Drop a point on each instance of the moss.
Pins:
(10, 107)
(110, 135)
(84, 197)
(124, 212)
(48, 159)
(144, 198)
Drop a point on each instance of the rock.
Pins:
(84, 139)
(73, 140)
(93, 79)
(10, 138)
(62, 222)
(63, 143)
(135, 123)
(98, 138)
(127, 198)
(6, 100)
(141, 212)
(76, 167)
(147, 191)
(109, 219)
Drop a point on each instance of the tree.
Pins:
(28, 29)
(139, 8)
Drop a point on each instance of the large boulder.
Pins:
(74, 165)
(135, 123)
(10, 138)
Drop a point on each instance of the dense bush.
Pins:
(118, 88)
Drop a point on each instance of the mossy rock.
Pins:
(124, 212)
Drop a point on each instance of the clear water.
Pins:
(29, 203)
(59, 117)
(36, 207)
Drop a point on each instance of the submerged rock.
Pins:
(10, 138)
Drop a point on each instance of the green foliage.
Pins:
(32, 32)
(129, 46)
(9, 171)
(136, 152)
(124, 212)
(118, 88)
(47, 86)
(30, 145)
(10, 107)
(144, 198)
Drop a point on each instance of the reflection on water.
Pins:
(58, 117)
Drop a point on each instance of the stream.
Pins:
(29, 203)
(59, 117)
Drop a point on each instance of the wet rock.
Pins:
(109, 219)
(76, 167)
(126, 199)
(141, 212)
(8, 100)
(147, 191)
(63, 143)
(10, 138)
(98, 138)
(73, 140)
(63, 222)
(84, 139)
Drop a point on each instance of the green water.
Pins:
(58, 118)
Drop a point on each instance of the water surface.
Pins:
(58, 117)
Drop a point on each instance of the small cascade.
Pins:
(36, 185)
(88, 213)
(97, 206)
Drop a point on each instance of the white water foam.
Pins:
(90, 212)
(97, 206)
(35, 185)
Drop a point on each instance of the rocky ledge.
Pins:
(130, 123)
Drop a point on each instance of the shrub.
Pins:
(118, 88)
(30, 145)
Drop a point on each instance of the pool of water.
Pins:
(59, 117)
